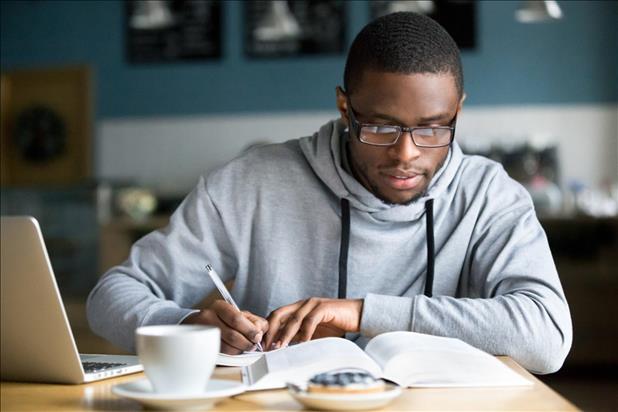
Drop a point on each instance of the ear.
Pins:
(461, 102)
(342, 105)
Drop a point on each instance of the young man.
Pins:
(376, 223)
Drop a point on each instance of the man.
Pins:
(376, 223)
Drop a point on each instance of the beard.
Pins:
(413, 199)
(383, 198)
(361, 173)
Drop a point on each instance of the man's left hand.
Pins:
(312, 318)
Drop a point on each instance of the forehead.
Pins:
(416, 94)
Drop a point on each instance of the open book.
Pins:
(244, 359)
(407, 358)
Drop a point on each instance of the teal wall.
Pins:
(574, 60)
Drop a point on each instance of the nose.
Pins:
(405, 150)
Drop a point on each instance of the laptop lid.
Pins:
(37, 342)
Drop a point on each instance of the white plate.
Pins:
(141, 391)
(346, 402)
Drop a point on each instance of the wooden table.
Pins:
(17, 396)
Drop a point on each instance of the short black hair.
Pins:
(403, 42)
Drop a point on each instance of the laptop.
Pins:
(37, 341)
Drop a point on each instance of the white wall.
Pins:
(586, 135)
(169, 154)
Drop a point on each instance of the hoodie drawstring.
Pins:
(430, 248)
(343, 248)
(345, 245)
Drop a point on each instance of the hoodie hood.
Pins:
(325, 153)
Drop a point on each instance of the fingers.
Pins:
(228, 349)
(240, 331)
(301, 324)
(297, 321)
(308, 327)
(261, 324)
(237, 330)
(232, 342)
(258, 321)
(275, 320)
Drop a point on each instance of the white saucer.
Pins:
(141, 391)
(346, 402)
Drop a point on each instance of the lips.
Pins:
(403, 180)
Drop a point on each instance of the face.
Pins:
(400, 173)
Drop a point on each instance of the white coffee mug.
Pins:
(178, 359)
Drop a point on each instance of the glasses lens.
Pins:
(433, 136)
(381, 135)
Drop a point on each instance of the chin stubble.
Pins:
(360, 172)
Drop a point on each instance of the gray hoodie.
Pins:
(272, 219)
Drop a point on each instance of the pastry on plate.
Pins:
(345, 381)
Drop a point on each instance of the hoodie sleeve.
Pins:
(516, 306)
(164, 277)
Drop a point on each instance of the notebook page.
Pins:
(243, 359)
(299, 363)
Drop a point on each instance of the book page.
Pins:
(418, 360)
(243, 359)
(299, 363)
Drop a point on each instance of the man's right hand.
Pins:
(240, 331)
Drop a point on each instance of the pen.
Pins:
(225, 293)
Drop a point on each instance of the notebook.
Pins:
(37, 341)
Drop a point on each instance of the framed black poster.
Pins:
(173, 30)
(280, 28)
(458, 17)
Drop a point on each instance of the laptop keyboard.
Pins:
(90, 367)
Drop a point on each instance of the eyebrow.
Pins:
(423, 120)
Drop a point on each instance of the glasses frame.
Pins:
(356, 127)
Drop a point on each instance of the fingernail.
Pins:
(257, 337)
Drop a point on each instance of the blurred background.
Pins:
(111, 110)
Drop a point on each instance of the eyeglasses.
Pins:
(387, 135)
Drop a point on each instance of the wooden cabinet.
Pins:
(586, 254)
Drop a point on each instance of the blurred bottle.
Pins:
(104, 203)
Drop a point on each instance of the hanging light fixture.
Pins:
(418, 6)
(278, 23)
(534, 11)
